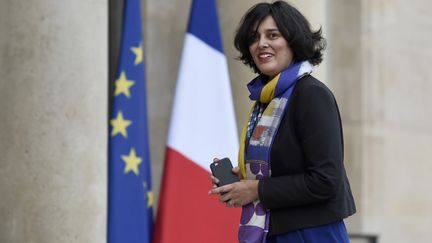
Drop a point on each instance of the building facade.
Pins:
(54, 68)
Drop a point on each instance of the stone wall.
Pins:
(53, 111)
(54, 99)
(379, 68)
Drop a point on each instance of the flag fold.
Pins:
(202, 127)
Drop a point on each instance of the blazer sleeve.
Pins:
(318, 127)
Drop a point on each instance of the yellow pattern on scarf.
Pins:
(267, 94)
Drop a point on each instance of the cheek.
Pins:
(288, 55)
(251, 50)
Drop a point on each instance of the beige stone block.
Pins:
(53, 115)
(398, 185)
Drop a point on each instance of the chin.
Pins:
(269, 74)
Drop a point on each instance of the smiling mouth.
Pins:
(264, 57)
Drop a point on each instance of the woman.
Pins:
(294, 186)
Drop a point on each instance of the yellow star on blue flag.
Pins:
(130, 204)
(119, 125)
(138, 51)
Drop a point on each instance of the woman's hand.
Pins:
(236, 194)
(215, 181)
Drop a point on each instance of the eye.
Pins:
(274, 35)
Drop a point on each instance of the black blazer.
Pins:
(308, 185)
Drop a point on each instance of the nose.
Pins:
(263, 43)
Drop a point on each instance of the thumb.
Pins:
(236, 170)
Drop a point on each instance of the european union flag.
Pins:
(130, 197)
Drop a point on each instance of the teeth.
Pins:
(265, 55)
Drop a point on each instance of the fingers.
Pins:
(214, 179)
(227, 196)
(221, 189)
(216, 190)
(236, 170)
(232, 204)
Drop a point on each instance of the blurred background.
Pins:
(56, 60)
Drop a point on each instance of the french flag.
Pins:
(202, 127)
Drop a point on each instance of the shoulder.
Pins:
(310, 92)
(309, 83)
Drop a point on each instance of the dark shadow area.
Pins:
(115, 16)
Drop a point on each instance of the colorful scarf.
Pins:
(257, 139)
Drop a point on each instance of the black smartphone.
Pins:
(222, 169)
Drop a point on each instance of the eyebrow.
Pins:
(267, 30)
(272, 30)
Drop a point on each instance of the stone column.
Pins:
(53, 120)
(380, 66)
(396, 77)
(344, 77)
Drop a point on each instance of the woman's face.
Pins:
(269, 50)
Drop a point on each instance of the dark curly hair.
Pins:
(294, 27)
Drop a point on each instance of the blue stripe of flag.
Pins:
(203, 23)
